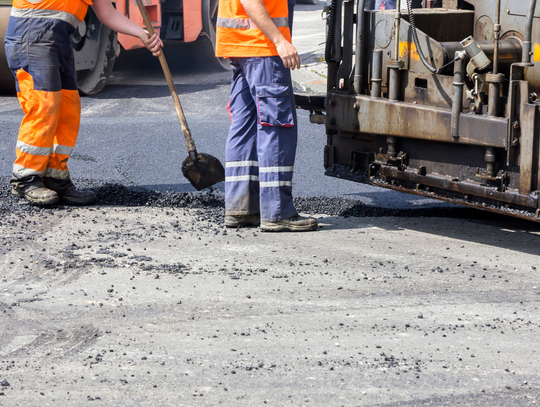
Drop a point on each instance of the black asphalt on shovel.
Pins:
(202, 170)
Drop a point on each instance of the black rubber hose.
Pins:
(330, 35)
(416, 42)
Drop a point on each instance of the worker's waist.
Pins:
(72, 19)
(47, 32)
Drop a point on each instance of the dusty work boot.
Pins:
(77, 197)
(234, 221)
(68, 193)
(293, 224)
(36, 193)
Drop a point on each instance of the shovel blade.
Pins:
(204, 173)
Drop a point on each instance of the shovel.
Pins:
(202, 170)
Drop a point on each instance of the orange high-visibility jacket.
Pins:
(70, 11)
(238, 36)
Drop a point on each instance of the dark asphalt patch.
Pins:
(210, 203)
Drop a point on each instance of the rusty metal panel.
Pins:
(526, 156)
(443, 24)
(430, 90)
(518, 97)
(520, 8)
(513, 22)
(383, 117)
(463, 187)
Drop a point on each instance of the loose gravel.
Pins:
(210, 203)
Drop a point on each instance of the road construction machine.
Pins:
(96, 46)
(438, 98)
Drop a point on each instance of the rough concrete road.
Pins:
(145, 306)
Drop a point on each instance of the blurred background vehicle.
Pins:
(96, 46)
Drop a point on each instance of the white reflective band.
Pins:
(246, 23)
(63, 150)
(276, 169)
(273, 184)
(27, 148)
(49, 14)
(25, 172)
(231, 164)
(54, 173)
(242, 178)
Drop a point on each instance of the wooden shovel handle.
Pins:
(190, 144)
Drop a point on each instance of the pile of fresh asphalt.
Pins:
(210, 204)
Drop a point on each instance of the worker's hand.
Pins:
(153, 43)
(288, 54)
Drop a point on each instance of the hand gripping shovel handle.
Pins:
(190, 144)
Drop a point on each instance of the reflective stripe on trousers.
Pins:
(40, 55)
(261, 145)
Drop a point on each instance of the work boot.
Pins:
(68, 193)
(293, 224)
(75, 196)
(36, 193)
(234, 221)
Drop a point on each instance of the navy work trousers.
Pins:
(261, 145)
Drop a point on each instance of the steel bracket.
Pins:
(501, 178)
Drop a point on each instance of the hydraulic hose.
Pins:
(331, 24)
(416, 41)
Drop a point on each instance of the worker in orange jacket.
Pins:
(40, 55)
(261, 146)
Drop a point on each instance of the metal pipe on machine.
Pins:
(495, 79)
(457, 103)
(510, 51)
(360, 45)
(376, 74)
(397, 24)
(497, 35)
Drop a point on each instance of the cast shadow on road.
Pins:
(464, 224)
(151, 91)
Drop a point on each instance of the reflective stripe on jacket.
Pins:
(70, 11)
(237, 34)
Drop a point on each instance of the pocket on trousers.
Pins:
(274, 105)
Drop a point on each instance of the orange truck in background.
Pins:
(96, 46)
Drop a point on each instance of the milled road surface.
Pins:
(159, 304)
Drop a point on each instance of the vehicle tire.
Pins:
(209, 20)
(92, 81)
(7, 80)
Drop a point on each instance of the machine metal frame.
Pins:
(439, 101)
